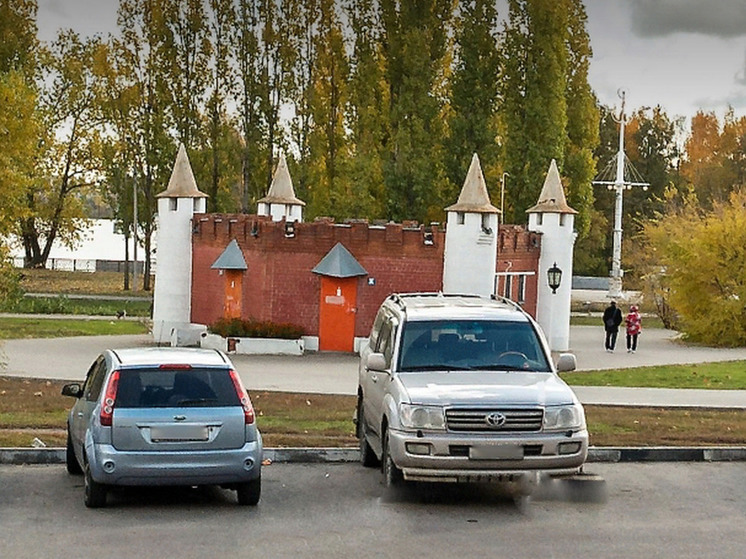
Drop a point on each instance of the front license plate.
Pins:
(168, 433)
(496, 452)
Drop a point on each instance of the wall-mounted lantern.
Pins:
(554, 276)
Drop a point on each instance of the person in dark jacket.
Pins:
(612, 320)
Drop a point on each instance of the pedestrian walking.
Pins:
(612, 320)
(634, 327)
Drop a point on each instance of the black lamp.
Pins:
(554, 275)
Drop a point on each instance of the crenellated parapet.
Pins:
(253, 232)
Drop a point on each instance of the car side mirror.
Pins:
(376, 362)
(74, 389)
(566, 362)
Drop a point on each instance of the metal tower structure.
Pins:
(625, 177)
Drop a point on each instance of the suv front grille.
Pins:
(494, 420)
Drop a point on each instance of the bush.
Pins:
(239, 328)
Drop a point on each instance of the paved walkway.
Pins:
(331, 373)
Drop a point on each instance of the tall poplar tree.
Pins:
(367, 112)
(304, 19)
(328, 150)
(415, 47)
(583, 119)
(185, 52)
(140, 55)
(535, 88)
(474, 96)
(251, 96)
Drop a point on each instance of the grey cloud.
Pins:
(719, 18)
(55, 7)
(735, 100)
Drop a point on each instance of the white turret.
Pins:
(555, 220)
(173, 283)
(470, 257)
(280, 202)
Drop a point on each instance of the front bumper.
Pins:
(214, 467)
(470, 458)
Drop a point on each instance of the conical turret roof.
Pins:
(281, 190)
(552, 197)
(231, 258)
(182, 183)
(339, 263)
(474, 197)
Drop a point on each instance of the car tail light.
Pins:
(178, 366)
(110, 398)
(243, 396)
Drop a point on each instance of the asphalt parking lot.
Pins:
(342, 510)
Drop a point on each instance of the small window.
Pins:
(460, 218)
(386, 342)
(376, 330)
(486, 229)
(522, 288)
(539, 219)
(95, 380)
(562, 220)
(508, 292)
(173, 204)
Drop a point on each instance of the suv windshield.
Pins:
(161, 388)
(471, 345)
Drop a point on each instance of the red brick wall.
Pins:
(518, 250)
(279, 285)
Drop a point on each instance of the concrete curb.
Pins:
(19, 456)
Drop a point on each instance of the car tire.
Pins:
(392, 475)
(71, 462)
(368, 458)
(249, 493)
(94, 492)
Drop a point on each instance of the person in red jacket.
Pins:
(634, 326)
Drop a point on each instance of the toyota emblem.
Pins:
(495, 419)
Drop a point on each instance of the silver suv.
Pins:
(161, 416)
(462, 388)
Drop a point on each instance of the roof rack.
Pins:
(507, 301)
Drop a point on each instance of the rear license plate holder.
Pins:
(178, 433)
(496, 452)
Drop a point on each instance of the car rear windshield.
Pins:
(162, 388)
(471, 345)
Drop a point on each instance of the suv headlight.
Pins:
(559, 418)
(421, 417)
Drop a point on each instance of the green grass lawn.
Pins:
(724, 375)
(17, 328)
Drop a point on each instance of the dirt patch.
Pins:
(33, 408)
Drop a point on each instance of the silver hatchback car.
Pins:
(163, 416)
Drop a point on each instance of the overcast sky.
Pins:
(684, 55)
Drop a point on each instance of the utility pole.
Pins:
(619, 184)
(134, 232)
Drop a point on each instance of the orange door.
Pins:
(232, 302)
(337, 313)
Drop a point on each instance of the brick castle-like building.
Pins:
(330, 278)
